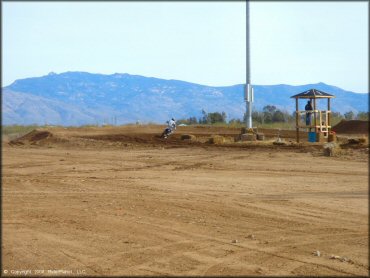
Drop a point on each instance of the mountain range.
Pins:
(78, 98)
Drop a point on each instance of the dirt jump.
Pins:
(352, 127)
(104, 201)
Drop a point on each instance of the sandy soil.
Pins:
(121, 201)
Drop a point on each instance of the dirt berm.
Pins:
(352, 127)
(38, 137)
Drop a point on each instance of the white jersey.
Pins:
(172, 124)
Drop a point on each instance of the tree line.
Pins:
(269, 114)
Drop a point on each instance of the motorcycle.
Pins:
(167, 132)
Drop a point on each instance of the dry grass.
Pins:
(216, 139)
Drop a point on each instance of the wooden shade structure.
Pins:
(321, 118)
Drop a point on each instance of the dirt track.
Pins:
(124, 202)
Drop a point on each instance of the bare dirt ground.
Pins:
(121, 201)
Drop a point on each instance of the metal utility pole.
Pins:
(249, 98)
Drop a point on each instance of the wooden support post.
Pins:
(297, 119)
(329, 118)
(329, 113)
(314, 114)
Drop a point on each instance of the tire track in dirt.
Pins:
(107, 215)
(231, 258)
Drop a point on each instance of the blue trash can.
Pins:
(312, 137)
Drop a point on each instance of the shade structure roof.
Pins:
(313, 93)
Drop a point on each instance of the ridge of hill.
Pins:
(77, 98)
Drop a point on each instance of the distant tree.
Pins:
(336, 117)
(224, 116)
(234, 122)
(269, 109)
(188, 121)
(192, 121)
(217, 117)
(349, 115)
(288, 118)
(257, 117)
(278, 116)
(336, 114)
(293, 115)
(267, 117)
(204, 118)
(268, 112)
(363, 116)
(211, 118)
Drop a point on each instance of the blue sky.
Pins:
(202, 42)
